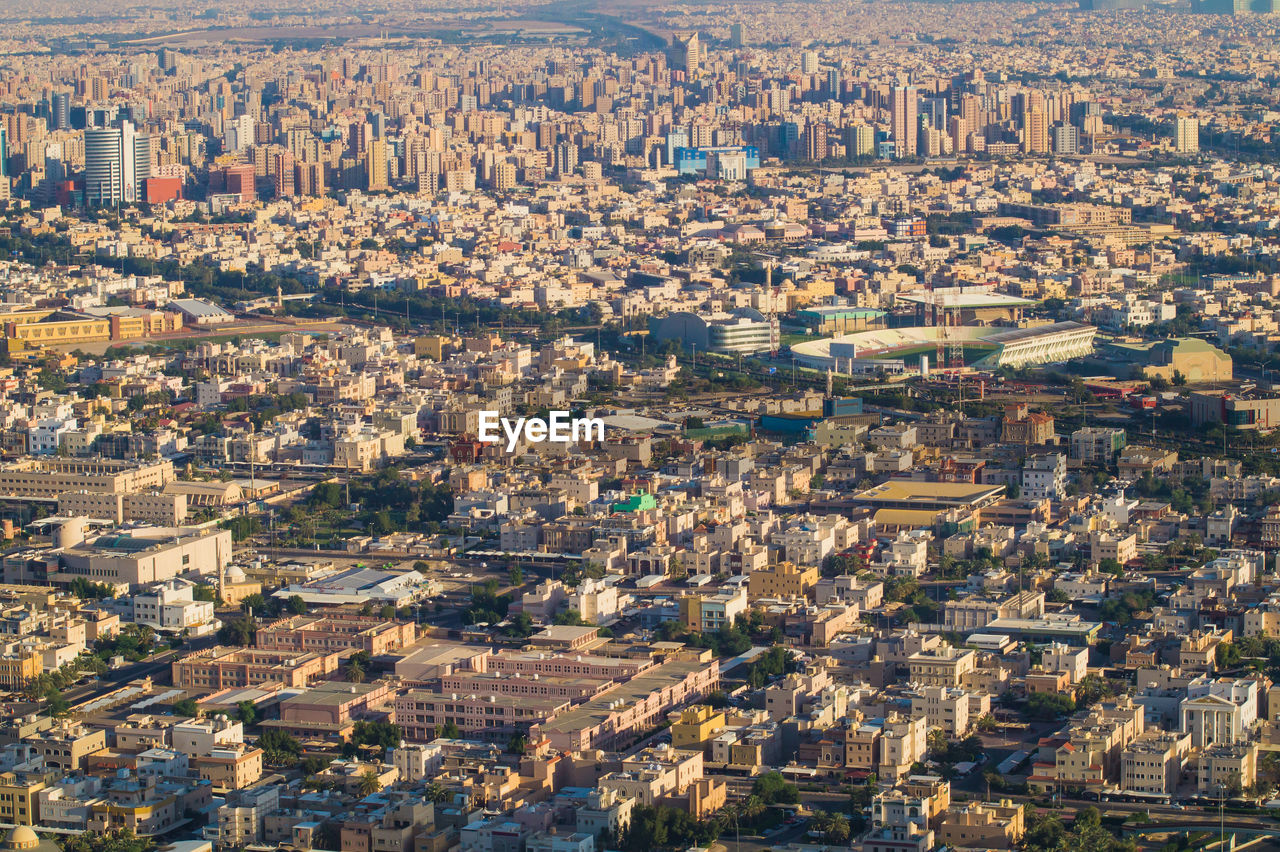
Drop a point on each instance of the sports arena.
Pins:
(984, 347)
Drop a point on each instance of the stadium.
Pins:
(983, 347)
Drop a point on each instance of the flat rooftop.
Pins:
(592, 713)
(914, 494)
(964, 299)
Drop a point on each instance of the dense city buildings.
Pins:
(617, 426)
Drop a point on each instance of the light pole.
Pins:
(737, 827)
(1222, 825)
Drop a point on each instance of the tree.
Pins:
(516, 576)
(449, 731)
(237, 631)
(88, 590)
(936, 743)
(773, 789)
(247, 713)
(110, 841)
(281, 749)
(1049, 705)
(57, 704)
(1111, 566)
(834, 827)
(570, 617)
(186, 707)
(355, 670)
(437, 793)
(521, 625)
(297, 605)
(369, 782)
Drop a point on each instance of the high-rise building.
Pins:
(375, 166)
(280, 168)
(566, 159)
(736, 35)
(815, 142)
(238, 134)
(137, 164)
(1035, 131)
(4, 152)
(902, 113)
(860, 140)
(686, 53)
(61, 111)
(1186, 135)
(504, 176)
(1066, 139)
(809, 62)
(309, 179)
(103, 167)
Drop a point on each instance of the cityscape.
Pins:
(617, 426)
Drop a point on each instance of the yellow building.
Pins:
(696, 728)
(984, 825)
(784, 580)
(44, 328)
(17, 670)
(18, 802)
(434, 346)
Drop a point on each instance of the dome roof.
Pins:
(235, 574)
(22, 837)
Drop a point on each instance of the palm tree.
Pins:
(355, 671)
(369, 782)
(837, 830)
(437, 792)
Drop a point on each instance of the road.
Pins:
(154, 666)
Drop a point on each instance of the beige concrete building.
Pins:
(1153, 763)
(783, 580)
(148, 555)
(983, 825)
(46, 478)
(66, 748)
(219, 668)
(946, 666)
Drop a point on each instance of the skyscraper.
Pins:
(237, 134)
(902, 112)
(809, 62)
(137, 164)
(686, 52)
(61, 110)
(375, 165)
(103, 167)
(1035, 131)
(4, 152)
(117, 160)
(1186, 135)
